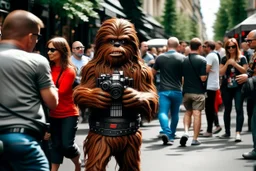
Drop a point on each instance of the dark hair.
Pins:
(63, 47)
(195, 43)
(210, 44)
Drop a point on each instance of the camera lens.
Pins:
(105, 85)
(116, 90)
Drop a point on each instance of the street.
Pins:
(213, 154)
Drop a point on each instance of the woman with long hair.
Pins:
(232, 65)
(64, 118)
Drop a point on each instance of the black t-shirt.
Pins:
(241, 62)
(192, 81)
(170, 66)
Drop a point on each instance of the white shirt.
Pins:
(213, 75)
(80, 63)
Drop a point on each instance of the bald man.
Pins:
(170, 95)
(146, 56)
(25, 77)
(194, 67)
(78, 58)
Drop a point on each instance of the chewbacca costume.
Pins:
(116, 133)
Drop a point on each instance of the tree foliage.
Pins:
(237, 12)
(183, 27)
(230, 13)
(82, 9)
(170, 17)
(194, 29)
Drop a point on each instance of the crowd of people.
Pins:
(210, 76)
(200, 75)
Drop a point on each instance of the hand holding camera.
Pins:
(132, 98)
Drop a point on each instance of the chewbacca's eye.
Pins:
(112, 41)
(122, 41)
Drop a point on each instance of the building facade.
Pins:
(251, 8)
(191, 8)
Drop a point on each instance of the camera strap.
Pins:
(57, 81)
(21, 116)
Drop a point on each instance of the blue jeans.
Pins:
(22, 152)
(169, 101)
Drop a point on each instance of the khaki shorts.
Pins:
(194, 101)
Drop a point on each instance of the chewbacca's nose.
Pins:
(117, 44)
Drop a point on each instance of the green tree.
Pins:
(73, 9)
(222, 20)
(170, 18)
(183, 27)
(237, 12)
(194, 29)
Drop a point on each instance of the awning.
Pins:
(247, 25)
(112, 11)
(144, 34)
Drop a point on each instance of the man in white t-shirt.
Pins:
(212, 69)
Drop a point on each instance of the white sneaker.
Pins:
(238, 138)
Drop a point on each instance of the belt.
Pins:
(114, 129)
(21, 130)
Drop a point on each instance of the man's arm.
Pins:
(153, 71)
(208, 68)
(50, 97)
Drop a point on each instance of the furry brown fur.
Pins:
(116, 47)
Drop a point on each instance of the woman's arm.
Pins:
(223, 69)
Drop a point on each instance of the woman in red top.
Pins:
(64, 118)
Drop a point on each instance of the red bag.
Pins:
(218, 101)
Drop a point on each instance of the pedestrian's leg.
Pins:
(22, 152)
(239, 111)
(56, 148)
(209, 109)
(164, 107)
(249, 107)
(187, 121)
(216, 120)
(176, 99)
(70, 149)
(227, 101)
(196, 123)
(253, 123)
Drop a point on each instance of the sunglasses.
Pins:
(39, 36)
(233, 47)
(51, 49)
(79, 47)
(249, 40)
(205, 46)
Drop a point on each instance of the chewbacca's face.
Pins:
(116, 43)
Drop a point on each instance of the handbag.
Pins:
(45, 127)
(203, 83)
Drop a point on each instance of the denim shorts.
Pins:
(22, 152)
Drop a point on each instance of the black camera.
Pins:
(114, 84)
